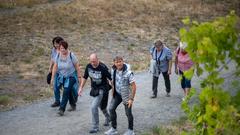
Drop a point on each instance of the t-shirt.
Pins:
(66, 65)
(163, 56)
(120, 80)
(184, 61)
(98, 75)
(54, 53)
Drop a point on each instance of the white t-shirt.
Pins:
(66, 65)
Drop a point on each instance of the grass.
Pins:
(162, 131)
(46, 92)
(6, 5)
(43, 93)
(176, 127)
(29, 98)
(15, 3)
(5, 100)
(27, 32)
(38, 52)
(181, 121)
(131, 47)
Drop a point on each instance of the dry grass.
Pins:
(176, 127)
(15, 3)
(5, 100)
(108, 27)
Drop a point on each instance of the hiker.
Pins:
(54, 52)
(161, 62)
(124, 89)
(182, 64)
(67, 71)
(100, 77)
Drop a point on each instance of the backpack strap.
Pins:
(71, 58)
(114, 81)
(57, 58)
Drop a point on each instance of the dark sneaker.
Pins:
(168, 95)
(60, 112)
(153, 96)
(94, 130)
(72, 108)
(55, 104)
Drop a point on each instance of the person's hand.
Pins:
(130, 102)
(169, 72)
(80, 91)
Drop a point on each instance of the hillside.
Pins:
(108, 27)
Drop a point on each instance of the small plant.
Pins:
(162, 130)
(5, 99)
(46, 92)
(28, 60)
(39, 51)
(29, 98)
(131, 47)
(6, 5)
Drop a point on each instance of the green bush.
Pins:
(211, 44)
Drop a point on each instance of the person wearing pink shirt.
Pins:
(183, 63)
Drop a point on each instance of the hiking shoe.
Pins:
(168, 95)
(72, 108)
(153, 96)
(111, 131)
(94, 130)
(129, 132)
(107, 121)
(60, 112)
(55, 104)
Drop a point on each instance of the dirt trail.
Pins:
(40, 119)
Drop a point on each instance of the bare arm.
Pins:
(112, 87)
(169, 67)
(51, 66)
(175, 63)
(77, 67)
(134, 88)
(54, 70)
(81, 86)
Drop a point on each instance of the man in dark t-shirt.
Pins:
(99, 75)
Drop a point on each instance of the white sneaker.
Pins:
(183, 99)
(111, 131)
(129, 132)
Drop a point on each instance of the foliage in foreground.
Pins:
(211, 45)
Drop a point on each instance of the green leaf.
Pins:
(199, 71)
(186, 21)
(210, 44)
(189, 73)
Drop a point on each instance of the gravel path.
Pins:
(40, 119)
